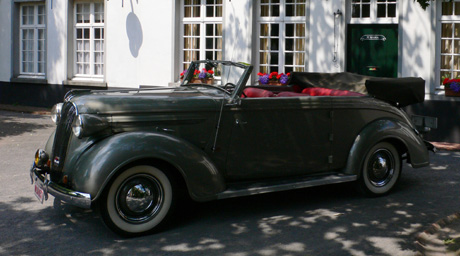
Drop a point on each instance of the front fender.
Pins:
(386, 130)
(103, 160)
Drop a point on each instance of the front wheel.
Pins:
(381, 169)
(137, 201)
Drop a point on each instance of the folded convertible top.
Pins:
(398, 91)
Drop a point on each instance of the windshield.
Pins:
(223, 75)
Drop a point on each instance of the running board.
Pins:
(246, 189)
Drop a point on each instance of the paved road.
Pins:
(329, 220)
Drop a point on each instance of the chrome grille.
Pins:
(61, 140)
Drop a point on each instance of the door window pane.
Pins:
(379, 9)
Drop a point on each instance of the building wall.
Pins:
(417, 42)
(238, 26)
(57, 35)
(324, 30)
(140, 39)
(5, 40)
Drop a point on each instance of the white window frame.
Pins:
(282, 20)
(373, 14)
(92, 26)
(202, 21)
(35, 27)
(446, 19)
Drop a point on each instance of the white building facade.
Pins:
(133, 43)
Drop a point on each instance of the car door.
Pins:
(278, 137)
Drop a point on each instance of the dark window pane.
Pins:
(447, 8)
(287, 70)
(289, 29)
(356, 11)
(275, 10)
(209, 55)
(289, 10)
(392, 10)
(381, 11)
(86, 33)
(275, 28)
(289, 44)
(366, 11)
(274, 44)
(274, 58)
(457, 8)
(209, 43)
(196, 11)
(209, 11)
(273, 69)
(209, 29)
(289, 59)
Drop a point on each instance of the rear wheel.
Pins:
(381, 169)
(139, 200)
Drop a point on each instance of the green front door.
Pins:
(373, 49)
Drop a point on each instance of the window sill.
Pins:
(29, 80)
(85, 83)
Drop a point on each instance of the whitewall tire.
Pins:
(138, 200)
(381, 169)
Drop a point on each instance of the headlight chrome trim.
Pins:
(85, 125)
(56, 113)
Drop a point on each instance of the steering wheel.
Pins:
(229, 84)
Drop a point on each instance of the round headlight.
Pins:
(41, 158)
(77, 126)
(56, 113)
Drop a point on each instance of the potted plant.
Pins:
(452, 87)
(273, 78)
(200, 77)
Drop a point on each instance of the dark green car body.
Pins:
(220, 144)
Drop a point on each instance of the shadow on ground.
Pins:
(12, 125)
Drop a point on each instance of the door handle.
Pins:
(239, 122)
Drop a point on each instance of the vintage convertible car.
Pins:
(133, 152)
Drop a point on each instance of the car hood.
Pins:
(168, 99)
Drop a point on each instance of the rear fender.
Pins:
(96, 167)
(386, 130)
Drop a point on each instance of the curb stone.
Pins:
(25, 109)
(431, 241)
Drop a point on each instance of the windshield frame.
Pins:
(239, 86)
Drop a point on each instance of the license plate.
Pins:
(39, 193)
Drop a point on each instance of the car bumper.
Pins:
(78, 199)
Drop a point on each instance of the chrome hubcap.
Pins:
(139, 198)
(381, 167)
